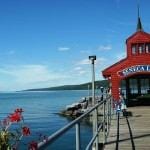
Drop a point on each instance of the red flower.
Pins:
(19, 110)
(25, 131)
(33, 145)
(15, 117)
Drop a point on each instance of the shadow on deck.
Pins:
(134, 130)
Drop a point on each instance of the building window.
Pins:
(141, 48)
(147, 48)
(133, 86)
(133, 49)
(144, 86)
(123, 87)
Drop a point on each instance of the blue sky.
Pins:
(45, 43)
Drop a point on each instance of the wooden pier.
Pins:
(134, 130)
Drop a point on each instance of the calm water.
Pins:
(40, 110)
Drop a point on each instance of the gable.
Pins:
(138, 37)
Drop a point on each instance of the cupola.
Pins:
(138, 43)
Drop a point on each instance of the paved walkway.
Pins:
(134, 131)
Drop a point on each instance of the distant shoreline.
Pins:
(85, 86)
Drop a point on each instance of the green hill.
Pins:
(98, 84)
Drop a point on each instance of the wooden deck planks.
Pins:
(140, 127)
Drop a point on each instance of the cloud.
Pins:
(87, 61)
(84, 62)
(83, 67)
(63, 49)
(100, 61)
(27, 73)
(80, 70)
(105, 47)
(121, 56)
(77, 68)
(29, 76)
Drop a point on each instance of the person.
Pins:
(109, 90)
(117, 106)
(123, 104)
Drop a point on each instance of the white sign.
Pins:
(134, 69)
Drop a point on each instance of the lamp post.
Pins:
(95, 120)
(93, 58)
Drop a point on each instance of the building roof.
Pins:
(139, 36)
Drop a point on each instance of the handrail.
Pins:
(54, 136)
(117, 140)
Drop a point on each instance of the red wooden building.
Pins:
(131, 75)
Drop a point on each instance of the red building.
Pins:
(132, 74)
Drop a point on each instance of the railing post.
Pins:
(104, 115)
(110, 106)
(117, 140)
(96, 127)
(109, 110)
(77, 136)
(107, 115)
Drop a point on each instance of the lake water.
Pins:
(40, 110)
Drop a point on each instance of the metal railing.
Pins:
(117, 140)
(103, 112)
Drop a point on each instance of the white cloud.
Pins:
(80, 70)
(121, 56)
(87, 61)
(37, 76)
(77, 68)
(62, 49)
(105, 47)
(28, 73)
(100, 61)
(29, 76)
(84, 62)
(83, 67)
